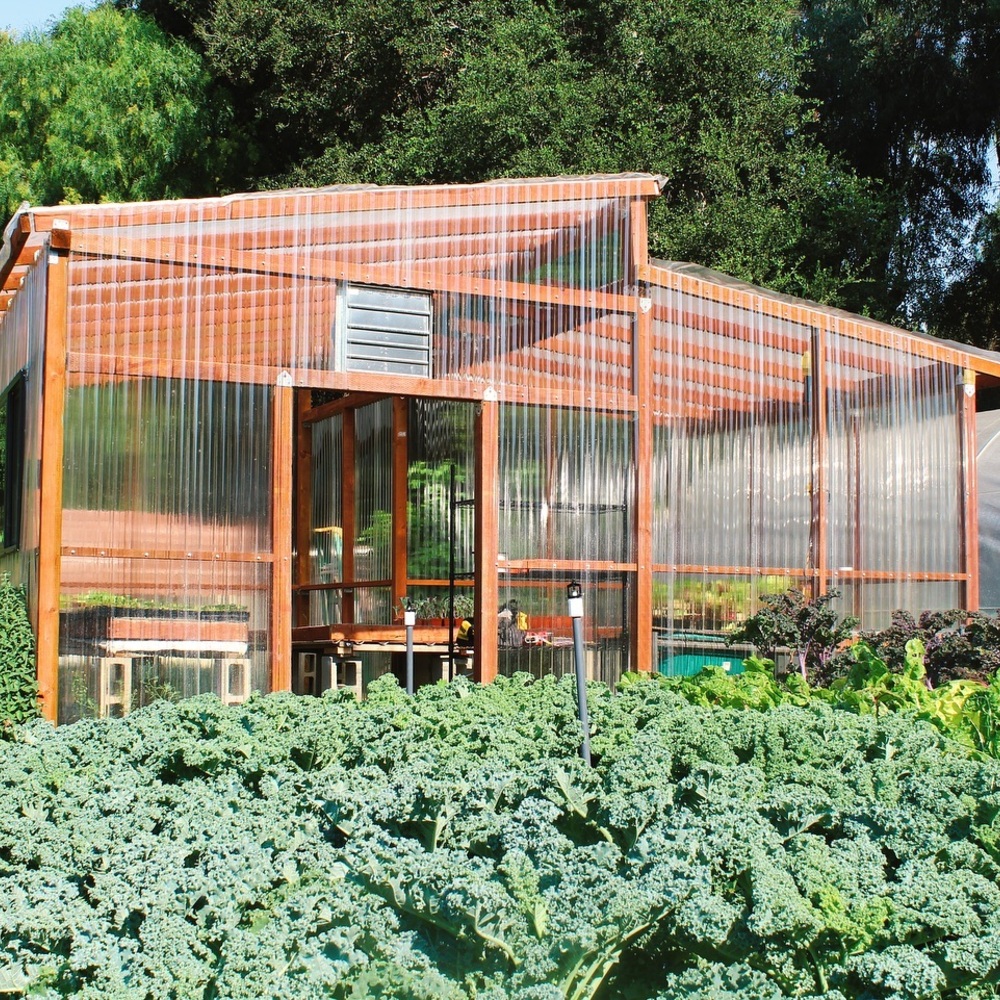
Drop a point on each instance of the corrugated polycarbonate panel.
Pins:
(163, 628)
(512, 288)
(793, 453)
(167, 509)
(988, 469)
(373, 507)
(894, 468)
(21, 344)
(326, 554)
(567, 513)
(731, 442)
(254, 282)
(576, 339)
(566, 485)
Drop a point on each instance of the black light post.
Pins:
(574, 598)
(409, 620)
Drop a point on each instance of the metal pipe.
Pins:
(574, 598)
(409, 620)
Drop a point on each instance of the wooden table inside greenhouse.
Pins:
(343, 642)
(371, 638)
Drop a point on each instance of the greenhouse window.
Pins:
(12, 470)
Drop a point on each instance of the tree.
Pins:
(969, 311)
(705, 92)
(105, 108)
(906, 91)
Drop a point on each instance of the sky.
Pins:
(22, 15)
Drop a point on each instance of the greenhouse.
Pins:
(242, 434)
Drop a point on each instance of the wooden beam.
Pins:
(282, 452)
(969, 488)
(486, 540)
(351, 401)
(808, 573)
(400, 494)
(641, 642)
(492, 195)
(50, 498)
(566, 567)
(452, 387)
(171, 555)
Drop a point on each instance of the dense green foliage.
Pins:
(967, 710)
(811, 629)
(105, 108)
(831, 148)
(959, 644)
(18, 686)
(454, 845)
(705, 93)
(905, 91)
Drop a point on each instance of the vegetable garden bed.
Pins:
(453, 845)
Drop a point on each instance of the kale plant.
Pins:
(809, 628)
(452, 845)
(18, 685)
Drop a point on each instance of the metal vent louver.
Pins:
(385, 330)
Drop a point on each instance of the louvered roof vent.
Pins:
(384, 330)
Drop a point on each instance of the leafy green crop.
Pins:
(966, 710)
(453, 845)
(18, 686)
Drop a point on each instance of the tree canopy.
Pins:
(104, 108)
(835, 149)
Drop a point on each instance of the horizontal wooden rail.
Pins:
(495, 196)
(107, 552)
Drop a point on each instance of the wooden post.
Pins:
(347, 512)
(487, 431)
(51, 481)
(303, 505)
(969, 489)
(821, 457)
(641, 652)
(282, 430)
(400, 495)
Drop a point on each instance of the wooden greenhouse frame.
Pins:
(542, 299)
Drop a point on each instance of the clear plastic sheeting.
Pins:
(894, 463)
(326, 552)
(21, 353)
(166, 537)
(167, 627)
(302, 407)
(988, 465)
(792, 448)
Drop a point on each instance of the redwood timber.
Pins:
(641, 639)
(51, 481)
(282, 452)
(487, 601)
(969, 490)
